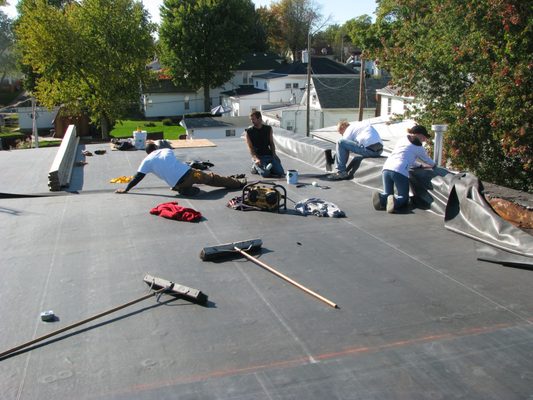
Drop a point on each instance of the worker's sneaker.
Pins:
(376, 201)
(189, 191)
(254, 171)
(339, 176)
(390, 204)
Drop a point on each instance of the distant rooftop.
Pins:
(319, 66)
(341, 92)
(260, 61)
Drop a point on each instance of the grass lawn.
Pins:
(125, 129)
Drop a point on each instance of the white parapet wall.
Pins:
(61, 170)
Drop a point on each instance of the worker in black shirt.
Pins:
(260, 140)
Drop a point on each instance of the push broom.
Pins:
(159, 285)
(246, 248)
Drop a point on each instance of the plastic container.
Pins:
(292, 177)
(139, 139)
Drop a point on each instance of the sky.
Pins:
(339, 10)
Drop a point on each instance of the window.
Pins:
(389, 106)
(295, 86)
(287, 86)
(186, 104)
(247, 78)
(265, 86)
(230, 132)
(290, 125)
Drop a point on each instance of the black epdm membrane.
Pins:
(434, 302)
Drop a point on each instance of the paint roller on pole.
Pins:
(246, 248)
(158, 286)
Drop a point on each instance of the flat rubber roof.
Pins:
(419, 316)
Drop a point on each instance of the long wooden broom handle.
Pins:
(285, 277)
(74, 325)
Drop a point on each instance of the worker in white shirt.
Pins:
(406, 153)
(363, 140)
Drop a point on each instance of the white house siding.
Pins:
(156, 105)
(44, 118)
(394, 105)
(215, 133)
(279, 93)
(295, 120)
(332, 117)
(243, 106)
(217, 128)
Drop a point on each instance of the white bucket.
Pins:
(292, 177)
(139, 139)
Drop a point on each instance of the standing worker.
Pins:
(396, 169)
(260, 140)
(178, 175)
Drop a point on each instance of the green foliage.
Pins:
(272, 28)
(166, 121)
(470, 65)
(90, 55)
(361, 32)
(203, 41)
(296, 18)
(7, 55)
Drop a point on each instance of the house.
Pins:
(391, 102)
(284, 86)
(241, 101)
(331, 99)
(164, 99)
(214, 127)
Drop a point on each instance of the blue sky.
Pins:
(339, 10)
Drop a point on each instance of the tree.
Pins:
(297, 19)
(29, 73)
(7, 55)
(90, 55)
(203, 41)
(470, 65)
(272, 28)
(362, 32)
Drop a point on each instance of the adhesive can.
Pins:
(292, 177)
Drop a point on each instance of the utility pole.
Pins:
(34, 122)
(308, 81)
(361, 88)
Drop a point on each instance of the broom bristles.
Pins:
(226, 251)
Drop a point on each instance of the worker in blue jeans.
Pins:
(363, 140)
(395, 172)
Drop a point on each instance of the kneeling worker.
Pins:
(178, 175)
(364, 140)
(260, 140)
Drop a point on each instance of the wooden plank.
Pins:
(188, 143)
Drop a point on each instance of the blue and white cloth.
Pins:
(319, 207)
